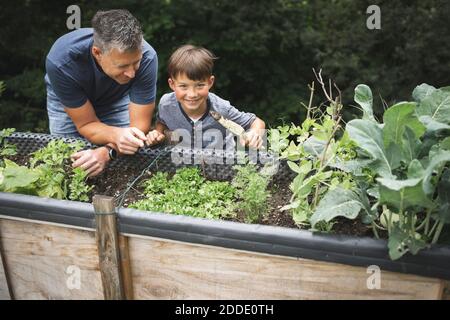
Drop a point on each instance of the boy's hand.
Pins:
(129, 140)
(252, 138)
(154, 137)
(93, 161)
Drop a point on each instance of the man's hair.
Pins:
(195, 62)
(116, 29)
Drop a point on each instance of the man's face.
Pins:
(120, 66)
(192, 94)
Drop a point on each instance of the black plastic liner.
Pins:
(348, 250)
(215, 164)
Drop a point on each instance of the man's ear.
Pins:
(96, 52)
(171, 84)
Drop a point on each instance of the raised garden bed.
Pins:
(45, 242)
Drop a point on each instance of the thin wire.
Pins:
(122, 196)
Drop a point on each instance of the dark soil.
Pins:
(114, 182)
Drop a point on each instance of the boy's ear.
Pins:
(171, 84)
(211, 81)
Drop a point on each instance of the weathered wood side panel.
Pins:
(4, 291)
(174, 270)
(446, 293)
(126, 267)
(50, 262)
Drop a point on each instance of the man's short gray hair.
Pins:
(116, 29)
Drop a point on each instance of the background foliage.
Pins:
(266, 49)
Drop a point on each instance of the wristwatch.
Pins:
(111, 152)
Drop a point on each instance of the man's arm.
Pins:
(127, 140)
(141, 116)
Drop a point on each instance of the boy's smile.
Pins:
(192, 94)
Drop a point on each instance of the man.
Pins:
(101, 85)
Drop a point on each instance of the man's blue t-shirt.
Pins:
(75, 77)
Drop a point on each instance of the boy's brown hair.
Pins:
(195, 62)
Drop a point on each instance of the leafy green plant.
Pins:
(79, 190)
(312, 151)
(251, 188)
(187, 193)
(49, 175)
(401, 169)
(55, 154)
(6, 149)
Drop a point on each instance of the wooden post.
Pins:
(108, 248)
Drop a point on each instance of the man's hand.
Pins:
(129, 140)
(252, 138)
(93, 161)
(154, 137)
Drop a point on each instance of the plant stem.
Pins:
(389, 220)
(432, 229)
(375, 232)
(425, 222)
(311, 88)
(438, 232)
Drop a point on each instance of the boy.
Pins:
(186, 111)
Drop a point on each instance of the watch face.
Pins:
(112, 154)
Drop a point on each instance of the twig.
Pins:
(311, 88)
(320, 80)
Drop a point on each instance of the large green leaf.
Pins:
(368, 136)
(314, 146)
(401, 195)
(433, 125)
(410, 145)
(400, 242)
(422, 91)
(415, 169)
(338, 202)
(436, 162)
(396, 119)
(436, 105)
(363, 97)
(394, 155)
(15, 176)
(444, 197)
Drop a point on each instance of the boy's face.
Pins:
(192, 94)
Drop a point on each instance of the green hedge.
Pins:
(267, 49)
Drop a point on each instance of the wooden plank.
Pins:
(5, 290)
(174, 270)
(108, 248)
(446, 293)
(126, 267)
(49, 262)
